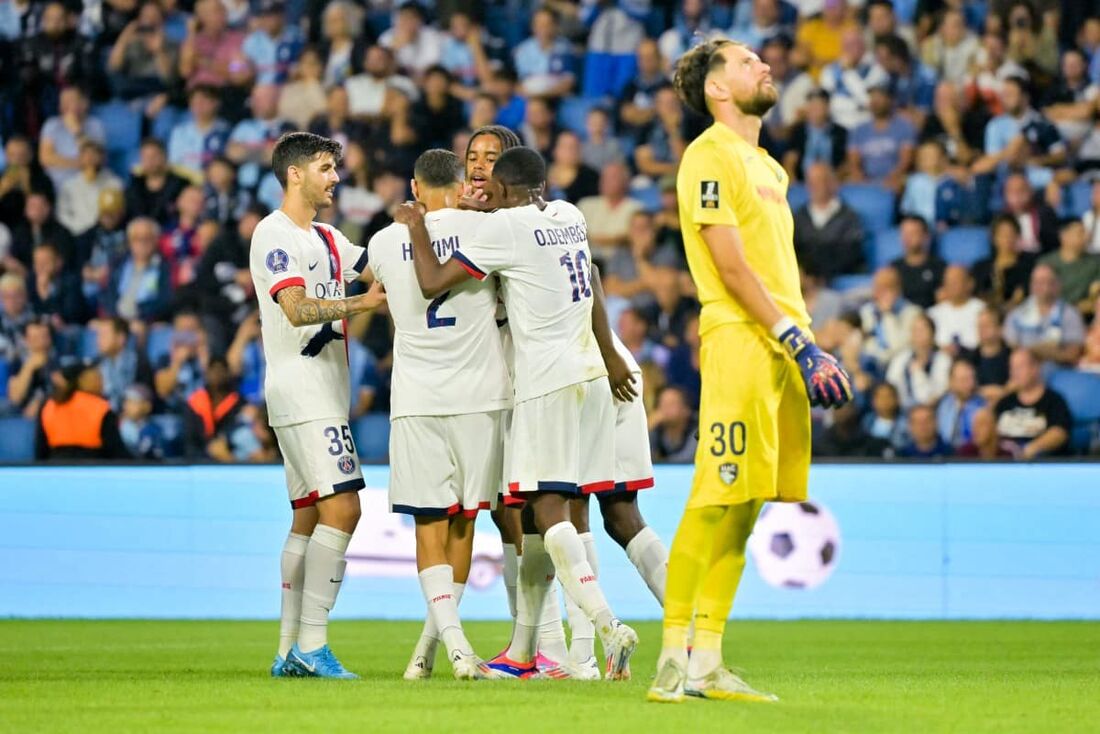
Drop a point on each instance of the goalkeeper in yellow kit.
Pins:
(761, 371)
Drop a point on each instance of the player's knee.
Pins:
(621, 519)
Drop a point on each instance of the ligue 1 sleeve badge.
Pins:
(277, 261)
(708, 194)
(346, 465)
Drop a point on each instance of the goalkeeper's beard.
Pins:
(759, 104)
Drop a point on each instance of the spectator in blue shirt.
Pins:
(956, 410)
(544, 62)
(274, 46)
(464, 54)
(196, 141)
(511, 105)
(144, 439)
(182, 371)
(1021, 136)
(914, 83)
(757, 22)
(140, 288)
(253, 139)
(881, 151)
(59, 141)
(636, 100)
(924, 439)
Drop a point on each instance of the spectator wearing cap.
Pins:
(881, 151)
(55, 292)
(438, 114)
(253, 139)
(1021, 136)
(39, 225)
(15, 314)
(212, 54)
(195, 141)
(955, 123)
(144, 438)
(545, 64)
(416, 46)
(59, 140)
(140, 286)
(19, 178)
(956, 409)
(661, 149)
(921, 272)
(303, 96)
(154, 188)
(608, 214)
(1044, 323)
(600, 147)
(849, 79)
(121, 364)
(211, 414)
(819, 39)
(273, 46)
(815, 139)
(1032, 420)
(78, 199)
(887, 319)
(1071, 103)
(29, 384)
(956, 313)
(952, 50)
(828, 235)
(635, 102)
(143, 62)
(672, 428)
(1077, 271)
(567, 175)
(76, 422)
(924, 441)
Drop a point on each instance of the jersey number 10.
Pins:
(582, 284)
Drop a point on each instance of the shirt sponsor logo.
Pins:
(708, 194)
(277, 261)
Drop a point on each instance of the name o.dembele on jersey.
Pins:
(447, 352)
(544, 261)
(307, 366)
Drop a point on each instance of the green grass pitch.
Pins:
(848, 676)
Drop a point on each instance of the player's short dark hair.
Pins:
(691, 72)
(507, 138)
(437, 168)
(298, 149)
(521, 166)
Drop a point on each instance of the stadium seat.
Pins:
(853, 282)
(122, 124)
(650, 196)
(158, 344)
(573, 112)
(797, 196)
(964, 245)
(882, 248)
(16, 439)
(372, 437)
(873, 204)
(1076, 199)
(1081, 391)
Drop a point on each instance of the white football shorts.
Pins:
(320, 460)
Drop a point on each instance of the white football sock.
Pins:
(511, 574)
(551, 633)
(438, 586)
(324, 572)
(429, 636)
(293, 571)
(536, 574)
(582, 633)
(649, 555)
(567, 549)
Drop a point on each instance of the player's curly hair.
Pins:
(690, 76)
(507, 138)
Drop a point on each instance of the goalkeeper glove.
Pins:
(827, 384)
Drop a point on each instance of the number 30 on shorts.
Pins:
(727, 438)
(340, 440)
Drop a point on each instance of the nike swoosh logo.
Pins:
(312, 266)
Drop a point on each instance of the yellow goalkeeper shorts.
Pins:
(754, 421)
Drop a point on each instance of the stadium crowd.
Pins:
(944, 159)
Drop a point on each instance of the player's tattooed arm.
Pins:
(433, 276)
(618, 371)
(301, 310)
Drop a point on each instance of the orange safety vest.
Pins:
(76, 422)
(209, 413)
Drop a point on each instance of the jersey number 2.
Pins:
(581, 283)
(434, 320)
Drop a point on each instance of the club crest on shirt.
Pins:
(708, 194)
(345, 464)
(727, 472)
(277, 261)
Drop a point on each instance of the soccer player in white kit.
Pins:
(300, 268)
(450, 391)
(563, 429)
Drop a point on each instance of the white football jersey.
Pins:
(307, 366)
(447, 353)
(543, 260)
